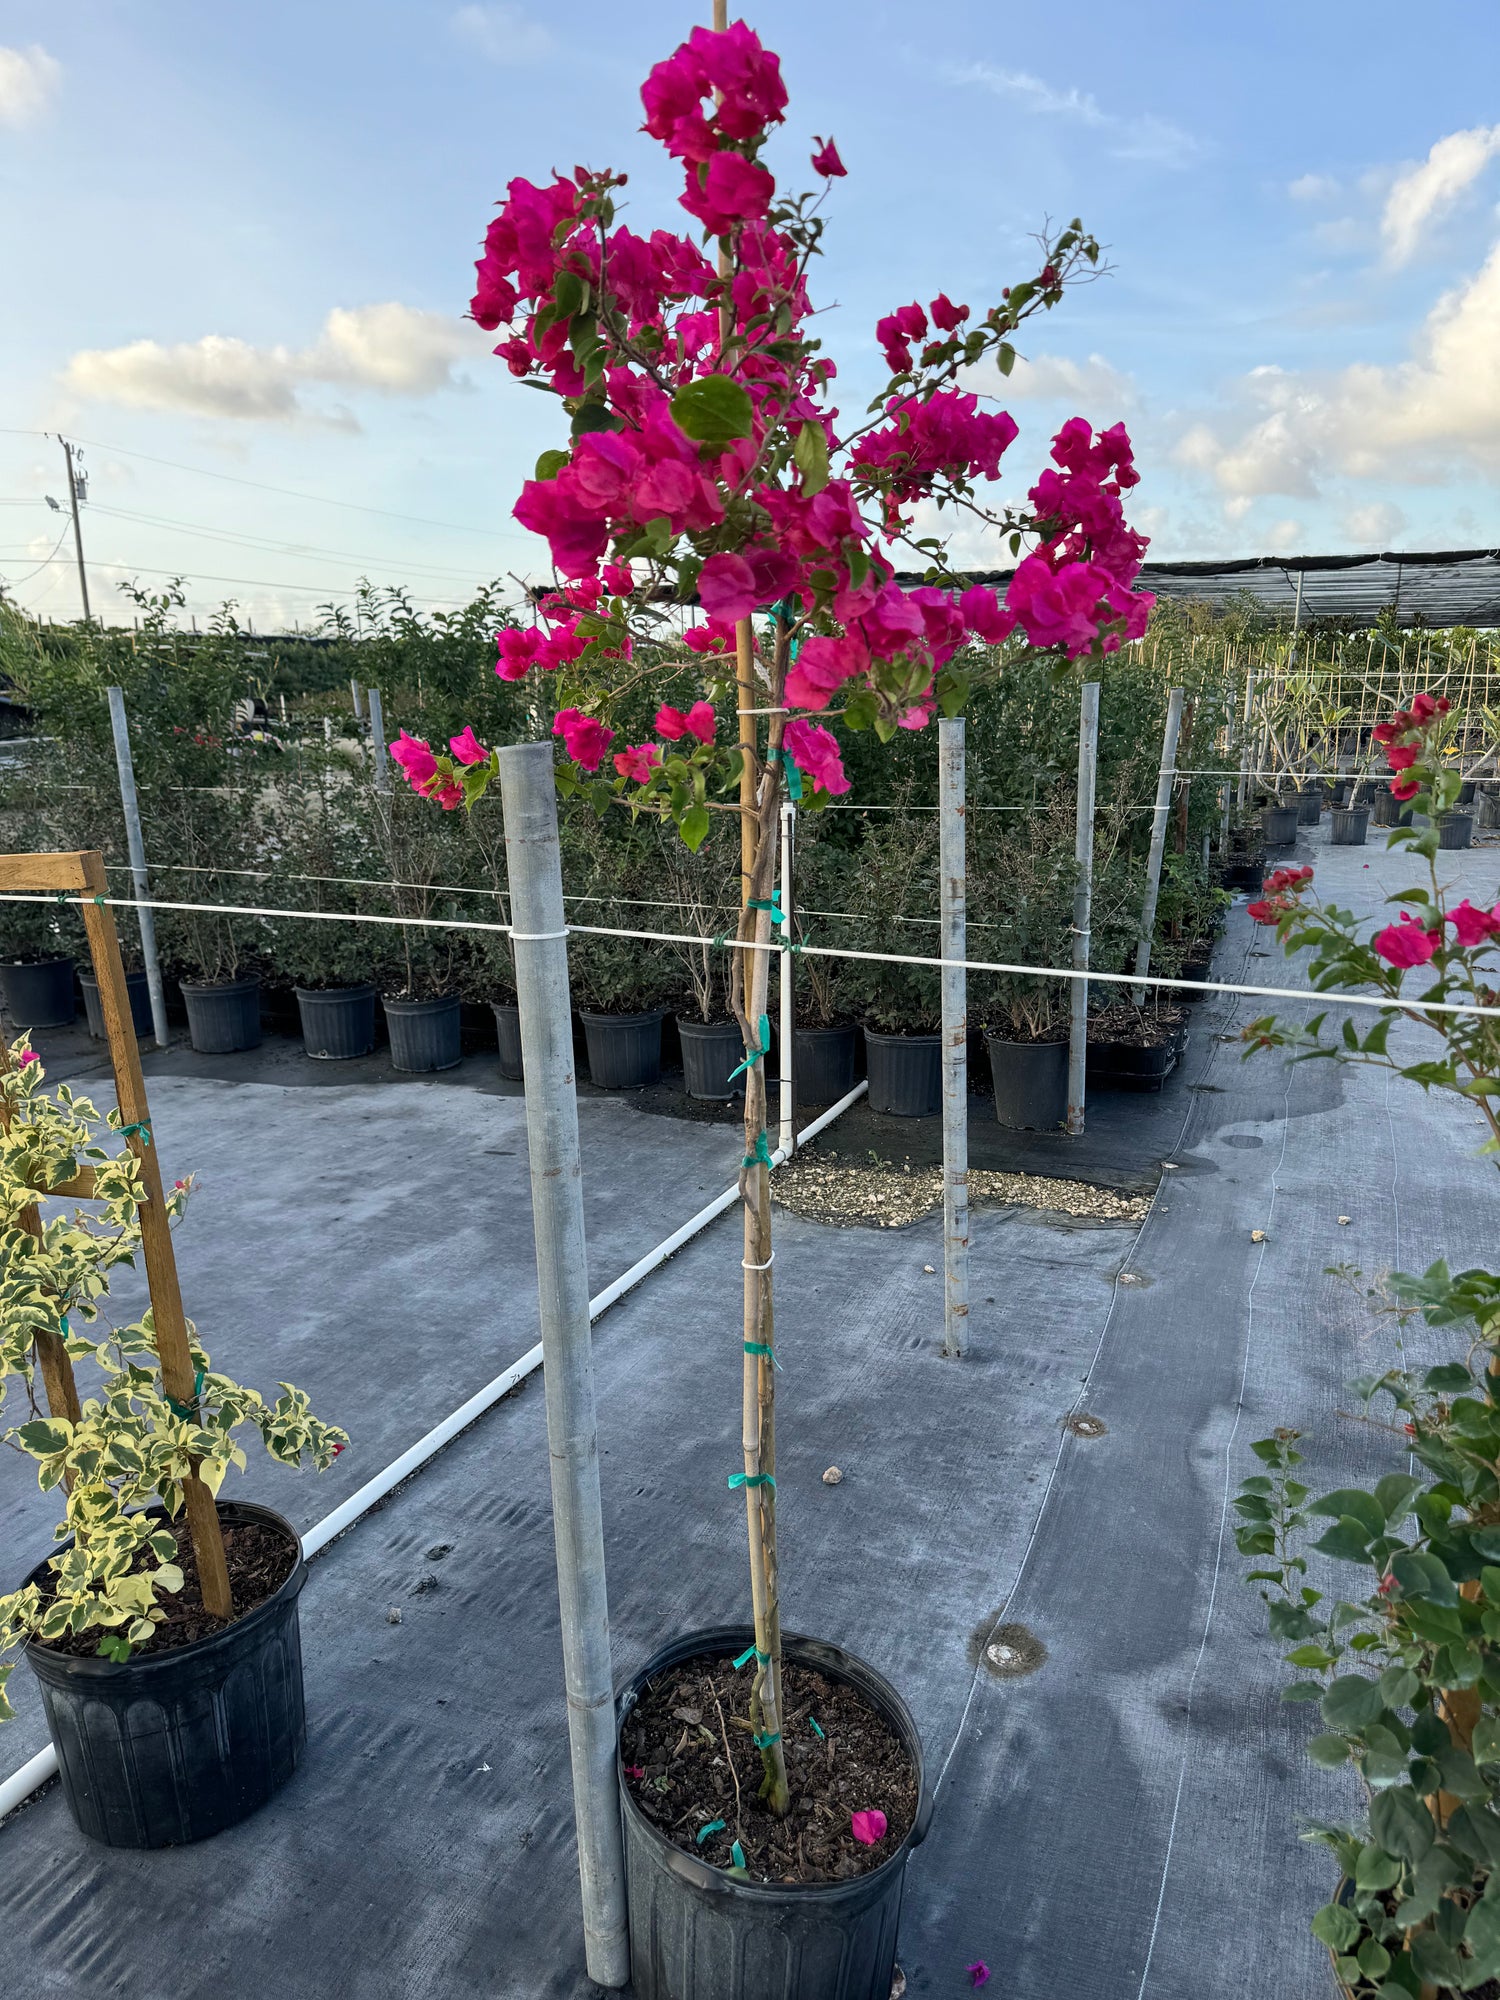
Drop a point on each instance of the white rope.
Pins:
(1089, 976)
(537, 937)
(759, 1267)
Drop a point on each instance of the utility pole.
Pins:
(73, 480)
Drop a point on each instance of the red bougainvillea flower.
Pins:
(1407, 943)
(415, 758)
(1474, 926)
(1288, 878)
(638, 761)
(1404, 788)
(867, 1827)
(1426, 706)
(1401, 756)
(815, 750)
(584, 737)
(467, 747)
(699, 721)
(826, 160)
(1265, 911)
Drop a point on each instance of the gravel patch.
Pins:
(876, 1194)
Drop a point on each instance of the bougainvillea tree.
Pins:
(1403, 1663)
(707, 463)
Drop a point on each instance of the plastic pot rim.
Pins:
(828, 1658)
(902, 1035)
(219, 985)
(364, 991)
(409, 1006)
(623, 1020)
(61, 1668)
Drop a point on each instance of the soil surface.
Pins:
(1135, 1027)
(688, 1743)
(260, 1560)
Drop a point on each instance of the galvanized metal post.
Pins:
(786, 1095)
(359, 707)
(529, 800)
(136, 848)
(1083, 904)
(1164, 780)
(377, 740)
(953, 933)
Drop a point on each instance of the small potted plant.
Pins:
(901, 1004)
(420, 966)
(119, 1627)
(37, 948)
(701, 885)
(1022, 876)
(322, 863)
(620, 984)
(826, 1039)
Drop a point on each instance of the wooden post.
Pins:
(83, 875)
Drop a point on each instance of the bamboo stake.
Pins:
(167, 1317)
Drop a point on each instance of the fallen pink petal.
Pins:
(979, 1973)
(867, 1827)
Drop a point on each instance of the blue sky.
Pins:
(239, 239)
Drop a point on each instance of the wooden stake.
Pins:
(84, 873)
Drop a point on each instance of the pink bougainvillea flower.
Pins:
(1407, 943)
(867, 1827)
(619, 579)
(729, 190)
(946, 314)
(31, 1056)
(584, 737)
(985, 616)
(726, 588)
(338, 1448)
(699, 721)
(415, 758)
(448, 794)
(1265, 911)
(826, 160)
(979, 1973)
(635, 1770)
(1474, 926)
(517, 651)
(815, 750)
(638, 761)
(467, 747)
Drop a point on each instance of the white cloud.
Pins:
(28, 83)
(502, 34)
(1428, 419)
(1142, 136)
(1313, 187)
(1091, 384)
(1375, 526)
(1420, 194)
(394, 349)
(1282, 537)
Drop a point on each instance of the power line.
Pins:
(11, 582)
(270, 545)
(286, 492)
(258, 582)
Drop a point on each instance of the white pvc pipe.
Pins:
(21, 1784)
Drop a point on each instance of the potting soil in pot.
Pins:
(674, 1747)
(1135, 1027)
(260, 1559)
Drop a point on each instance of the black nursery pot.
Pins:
(223, 1018)
(906, 1074)
(1246, 875)
(1309, 805)
(624, 1049)
(1455, 829)
(1031, 1083)
(508, 1035)
(1127, 1066)
(1388, 810)
(1199, 966)
(710, 1050)
(39, 994)
(824, 1059)
(1279, 826)
(1466, 792)
(338, 1022)
(424, 1034)
(1347, 826)
(167, 1748)
(696, 1934)
(140, 1004)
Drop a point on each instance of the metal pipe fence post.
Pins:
(529, 800)
(136, 847)
(953, 912)
(377, 740)
(1164, 779)
(787, 991)
(1083, 905)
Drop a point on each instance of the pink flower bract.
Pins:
(726, 588)
(467, 747)
(826, 160)
(815, 750)
(979, 1973)
(584, 737)
(638, 762)
(1407, 943)
(699, 721)
(1474, 927)
(867, 1827)
(415, 758)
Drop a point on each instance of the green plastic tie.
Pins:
(720, 943)
(188, 1411)
(63, 1325)
(714, 1826)
(753, 1479)
(737, 1854)
(751, 1652)
(778, 916)
(762, 1152)
(140, 1131)
(760, 1347)
(765, 1742)
(793, 776)
(817, 1728)
(753, 1056)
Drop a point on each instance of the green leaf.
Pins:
(1451, 1377)
(693, 826)
(713, 410)
(1482, 1936)
(1486, 1743)
(1351, 1702)
(550, 464)
(1348, 1539)
(1376, 1869)
(1353, 1500)
(1302, 1691)
(1422, 1576)
(1394, 1494)
(594, 417)
(1401, 1823)
(1434, 1960)
(45, 1436)
(1328, 1752)
(1374, 1959)
(1337, 1927)
(1397, 1686)
(810, 454)
(1309, 1656)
